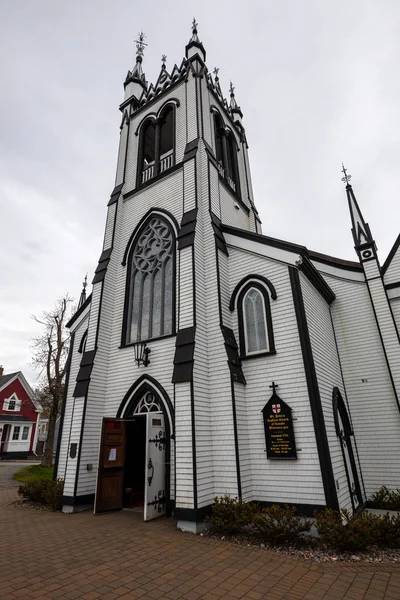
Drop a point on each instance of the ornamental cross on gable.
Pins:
(274, 386)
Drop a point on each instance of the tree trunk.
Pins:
(47, 458)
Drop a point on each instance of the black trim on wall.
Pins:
(267, 305)
(141, 381)
(219, 236)
(247, 278)
(115, 194)
(195, 515)
(328, 479)
(234, 362)
(78, 313)
(235, 431)
(190, 150)
(65, 394)
(101, 269)
(187, 229)
(184, 352)
(194, 454)
(83, 377)
(313, 276)
(86, 500)
(391, 254)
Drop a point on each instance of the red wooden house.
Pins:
(18, 417)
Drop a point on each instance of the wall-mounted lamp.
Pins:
(142, 354)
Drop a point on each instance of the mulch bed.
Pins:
(310, 548)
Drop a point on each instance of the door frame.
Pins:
(144, 384)
(345, 436)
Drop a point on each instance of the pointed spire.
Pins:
(135, 83)
(137, 71)
(360, 230)
(82, 298)
(195, 44)
(233, 105)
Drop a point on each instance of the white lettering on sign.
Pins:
(113, 454)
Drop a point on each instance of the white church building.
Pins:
(211, 359)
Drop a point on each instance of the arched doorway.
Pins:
(135, 453)
(345, 434)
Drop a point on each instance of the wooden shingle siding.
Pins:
(328, 372)
(395, 304)
(215, 202)
(93, 318)
(372, 403)
(192, 130)
(207, 116)
(236, 217)
(276, 481)
(183, 446)
(189, 185)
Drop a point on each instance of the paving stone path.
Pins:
(51, 555)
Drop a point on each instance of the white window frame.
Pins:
(12, 439)
(6, 403)
(28, 437)
(246, 343)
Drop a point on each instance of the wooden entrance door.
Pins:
(110, 478)
(156, 445)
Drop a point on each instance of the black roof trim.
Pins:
(264, 239)
(335, 262)
(316, 279)
(79, 311)
(391, 254)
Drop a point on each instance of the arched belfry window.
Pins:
(251, 299)
(150, 283)
(156, 145)
(226, 153)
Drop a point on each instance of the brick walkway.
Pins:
(52, 555)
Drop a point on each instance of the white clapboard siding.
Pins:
(387, 328)
(109, 226)
(244, 442)
(392, 274)
(186, 287)
(74, 438)
(189, 185)
(119, 177)
(206, 111)
(183, 446)
(214, 191)
(373, 407)
(191, 109)
(93, 317)
(232, 213)
(328, 372)
(296, 481)
(70, 401)
(395, 304)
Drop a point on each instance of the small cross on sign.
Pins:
(273, 386)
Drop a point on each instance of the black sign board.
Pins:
(278, 424)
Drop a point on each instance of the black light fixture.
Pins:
(142, 354)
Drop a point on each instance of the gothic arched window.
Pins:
(251, 298)
(156, 146)
(150, 283)
(226, 153)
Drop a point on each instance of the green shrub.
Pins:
(230, 515)
(280, 525)
(388, 531)
(44, 492)
(340, 531)
(386, 499)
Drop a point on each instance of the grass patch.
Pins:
(34, 473)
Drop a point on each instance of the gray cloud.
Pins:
(317, 83)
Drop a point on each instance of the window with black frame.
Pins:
(150, 283)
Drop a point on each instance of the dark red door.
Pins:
(110, 479)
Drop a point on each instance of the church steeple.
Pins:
(135, 82)
(233, 105)
(360, 229)
(82, 298)
(195, 46)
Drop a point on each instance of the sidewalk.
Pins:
(52, 555)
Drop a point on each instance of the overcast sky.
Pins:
(317, 81)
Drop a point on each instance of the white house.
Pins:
(211, 359)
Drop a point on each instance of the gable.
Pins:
(16, 390)
(391, 267)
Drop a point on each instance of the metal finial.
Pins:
(85, 282)
(231, 88)
(216, 71)
(164, 59)
(346, 178)
(140, 43)
(194, 25)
